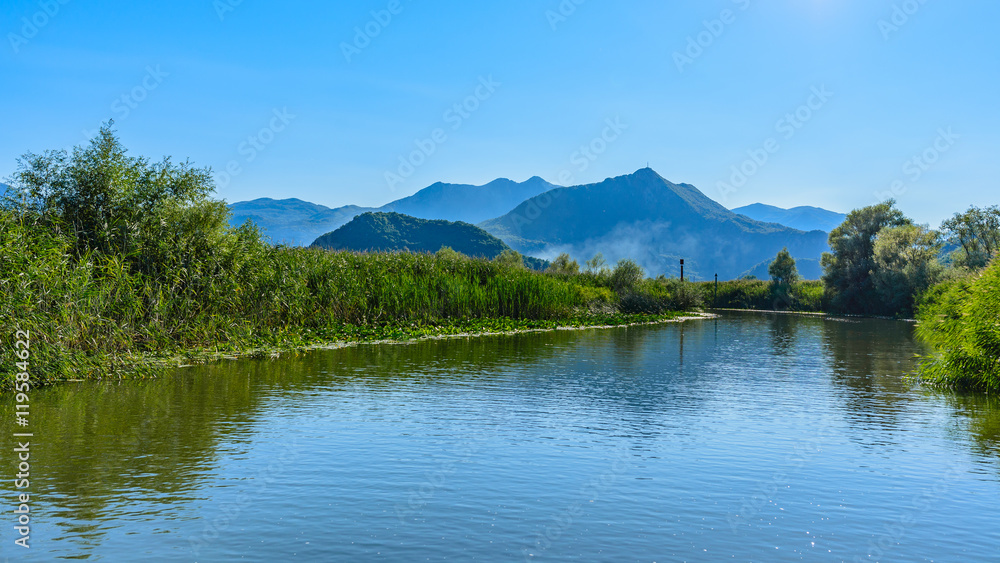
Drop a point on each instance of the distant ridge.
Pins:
(804, 218)
(297, 222)
(640, 216)
(471, 204)
(395, 232)
(292, 221)
(653, 221)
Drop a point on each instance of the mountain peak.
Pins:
(647, 172)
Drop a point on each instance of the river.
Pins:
(750, 437)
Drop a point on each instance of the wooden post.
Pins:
(682, 269)
(715, 297)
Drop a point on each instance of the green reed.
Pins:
(109, 314)
(960, 321)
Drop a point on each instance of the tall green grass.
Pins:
(99, 314)
(109, 260)
(960, 320)
(806, 296)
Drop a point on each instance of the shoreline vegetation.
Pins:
(119, 267)
(116, 266)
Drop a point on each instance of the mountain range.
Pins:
(389, 232)
(297, 222)
(653, 221)
(640, 216)
(804, 218)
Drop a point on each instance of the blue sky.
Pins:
(293, 102)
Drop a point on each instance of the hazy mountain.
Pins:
(297, 222)
(389, 232)
(292, 221)
(804, 218)
(472, 204)
(655, 222)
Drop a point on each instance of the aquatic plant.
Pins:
(960, 320)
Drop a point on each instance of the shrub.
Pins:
(626, 275)
(959, 320)
(510, 259)
(563, 265)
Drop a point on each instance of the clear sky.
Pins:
(321, 100)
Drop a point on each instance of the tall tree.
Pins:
(906, 265)
(976, 233)
(782, 270)
(847, 271)
(783, 275)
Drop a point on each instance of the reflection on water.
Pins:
(752, 436)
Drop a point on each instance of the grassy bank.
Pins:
(193, 288)
(960, 320)
(807, 296)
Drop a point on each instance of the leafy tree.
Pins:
(626, 276)
(597, 263)
(976, 233)
(563, 264)
(449, 254)
(511, 259)
(847, 271)
(906, 265)
(106, 200)
(783, 275)
(782, 270)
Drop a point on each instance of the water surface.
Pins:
(751, 437)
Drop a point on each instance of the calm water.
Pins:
(750, 437)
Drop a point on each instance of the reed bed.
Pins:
(95, 315)
(960, 321)
(805, 296)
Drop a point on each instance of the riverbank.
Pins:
(146, 366)
(761, 295)
(106, 280)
